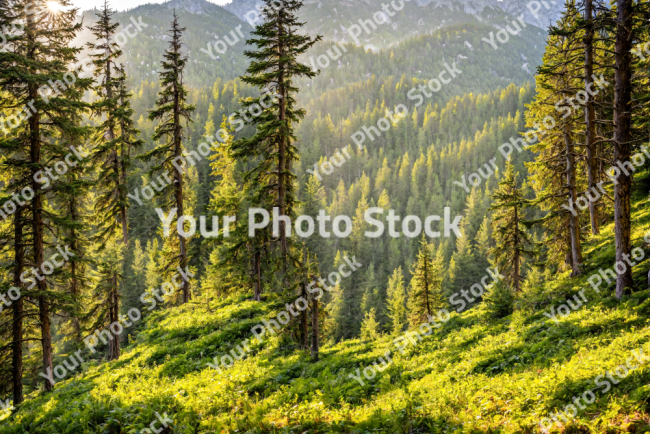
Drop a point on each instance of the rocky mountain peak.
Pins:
(193, 6)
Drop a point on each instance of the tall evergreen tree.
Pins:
(171, 112)
(623, 140)
(425, 295)
(512, 242)
(42, 53)
(274, 67)
(107, 154)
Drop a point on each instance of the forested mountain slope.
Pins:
(468, 376)
(205, 22)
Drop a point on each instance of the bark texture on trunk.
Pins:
(178, 182)
(282, 151)
(574, 221)
(257, 275)
(517, 256)
(315, 330)
(590, 116)
(37, 210)
(17, 325)
(622, 146)
(114, 316)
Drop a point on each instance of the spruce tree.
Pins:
(104, 313)
(171, 112)
(236, 260)
(41, 53)
(512, 242)
(15, 177)
(425, 295)
(274, 67)
(107, 153)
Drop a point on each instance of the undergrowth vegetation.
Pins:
(471, 375)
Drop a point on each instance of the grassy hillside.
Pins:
(470, 376)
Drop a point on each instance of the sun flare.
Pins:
(54, 6)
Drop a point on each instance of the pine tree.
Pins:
(425, 295)
(172, 109)
(274, 66)
(558, 78)
(512, 242)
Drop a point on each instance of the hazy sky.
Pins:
(121, 5)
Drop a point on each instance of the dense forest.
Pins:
(175, 226)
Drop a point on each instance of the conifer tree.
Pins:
(370, 326)
(623, 140)
(104, 313)
(171, 112)
(72, 192)
(590, 111)
(274, 67)
(15, 176)
(41, 53)
(425, 295)
(107, 154)
(236, 260)
(512, 242)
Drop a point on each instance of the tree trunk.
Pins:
(257, 271)
(426, 284)
(39, 250)
(282, 157)
(74, 281)
(37, 209)
(516, 258)
(315, 330)
(574, 222)
(122, 192)
(17, 332)
(304, 322)
(114, 316)
(178, 175)
(622, 147)
(590, 116)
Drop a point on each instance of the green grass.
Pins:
(469, 376)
